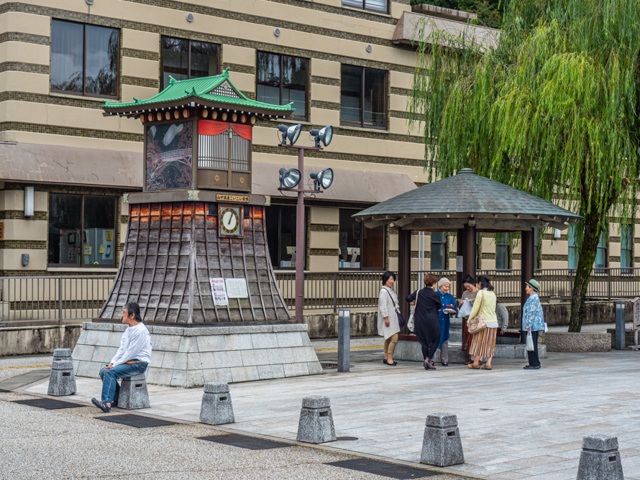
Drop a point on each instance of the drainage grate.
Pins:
(48, 403)
(137, 421)
(383, 469)
(242, 441)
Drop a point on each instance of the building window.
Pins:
(502, 252)
(82, 230)
(438, 251)
(602, 252)
(626, 247)
(183, 59)
(373, 5)
(281, 236)
(363, 99)
(572, 238)
(360, 247)
(84, 59)
(283, 79)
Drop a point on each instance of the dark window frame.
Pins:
(364, 7)
(444, 244)
(115, 231)
(84, 62)
(303, 118)
(627, 269)
(362, 124)
(278, 239)
(504, 242)
(189, 43)
(362, 238)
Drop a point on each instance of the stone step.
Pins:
(411, 351)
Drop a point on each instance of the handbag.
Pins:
(401, 321)
(465, 309)
(477, 323)
(412, 322)
(530, 346)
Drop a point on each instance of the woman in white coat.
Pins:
(388, 326)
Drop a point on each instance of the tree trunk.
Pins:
(587, 256)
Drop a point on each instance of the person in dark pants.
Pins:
(427, 326)
(533, 321)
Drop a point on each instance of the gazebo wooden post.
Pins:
(460, 272)
(404, 270)
(469, 261)
(526, 272)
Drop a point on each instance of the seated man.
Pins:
(132, 358)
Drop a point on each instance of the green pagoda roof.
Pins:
(215, 92)
(453, 202)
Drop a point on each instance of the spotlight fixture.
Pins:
(289, 178)
(323, 179)
(292, 133)
(323, 135)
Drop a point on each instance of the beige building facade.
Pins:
(65, 168)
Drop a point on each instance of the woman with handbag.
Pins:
(469, 295)
(483, 325)
(533, 321)
(388, 325)
(449, 307)
(425, 316)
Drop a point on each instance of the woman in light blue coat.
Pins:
(533, 320)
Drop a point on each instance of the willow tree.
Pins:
(551, 108)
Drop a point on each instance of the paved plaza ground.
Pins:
(515, 424)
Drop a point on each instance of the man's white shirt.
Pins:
(135, 344)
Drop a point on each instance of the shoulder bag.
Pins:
(401, 321)
(478, 323)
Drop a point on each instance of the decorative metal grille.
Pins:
(224, 90)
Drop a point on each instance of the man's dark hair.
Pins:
(386, 276)
(485, 283)
(133, 307)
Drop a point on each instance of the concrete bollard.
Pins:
(600, 459)
(61, 354)
(344, 339)
(442, 445)
(62, 380)
(216, 408)
(316, 420)
(133, 393)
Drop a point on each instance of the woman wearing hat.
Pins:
(448, 307)
(533, 320)
(427, 326)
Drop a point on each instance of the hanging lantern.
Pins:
(253, 120)
(176, 114)
(185, 113)
(167, 115)
(205, 113)
(234, 117)
(243, 119)
(141, 118)
(150, 117)
(214, 115)
(224, 116)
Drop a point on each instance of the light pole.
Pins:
(289, 179)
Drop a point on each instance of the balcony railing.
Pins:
(48, 300)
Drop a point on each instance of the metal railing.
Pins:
(47, 300)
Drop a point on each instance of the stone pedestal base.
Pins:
(411, 350)
(191, 357)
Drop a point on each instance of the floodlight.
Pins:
(323, 179)
(292, 133)
(289, 178)
(323, 135)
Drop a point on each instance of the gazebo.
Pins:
(465, 203)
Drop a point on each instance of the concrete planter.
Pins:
(577, 342)
(34, 340)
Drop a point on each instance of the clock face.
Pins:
(230, 220)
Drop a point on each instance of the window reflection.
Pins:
(282, 79)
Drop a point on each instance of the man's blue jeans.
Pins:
(110, 387)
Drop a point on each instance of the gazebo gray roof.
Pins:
(467, 199)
